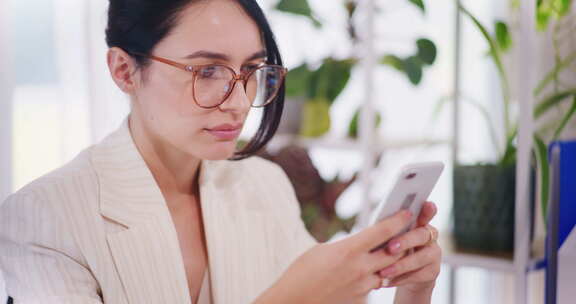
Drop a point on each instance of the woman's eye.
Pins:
(207, 72)
(250, 68)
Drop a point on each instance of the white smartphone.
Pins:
(412, 188)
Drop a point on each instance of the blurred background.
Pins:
(484, 86)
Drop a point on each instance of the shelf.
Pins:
(496, 262)
(281, 140)
(454, 257)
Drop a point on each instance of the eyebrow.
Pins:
(220, 56)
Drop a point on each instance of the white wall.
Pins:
(5, 116)
(6, 90)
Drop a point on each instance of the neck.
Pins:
(175, 171)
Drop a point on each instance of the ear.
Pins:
(122, 67)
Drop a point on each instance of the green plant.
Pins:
(321, 86)
(413, 65)
(499, 43)
(547, 10)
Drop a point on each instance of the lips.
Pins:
(226, 127)
(225, 131)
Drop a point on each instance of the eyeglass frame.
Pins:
(194, 70)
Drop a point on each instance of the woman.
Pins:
(157, 213)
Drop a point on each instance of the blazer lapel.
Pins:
(146, 252)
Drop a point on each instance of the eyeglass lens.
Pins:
(213, 84)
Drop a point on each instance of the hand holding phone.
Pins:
(412, 188)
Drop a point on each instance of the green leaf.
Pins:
(426, 50)
(330, 79)
(543, 172)
(298, 7)
(419, 4)
(496, 57)
(567, 116)
(393, 61)
(503, 36)
(563, 7)
(412, 66)
(551, 75)
(353, 126)
(549, 102)
(542, 19)
(547, 10)
(297, 81)
(338, 72)
(491, 43)
(315, 118)
(509, 156)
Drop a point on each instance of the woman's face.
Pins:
(216, 31)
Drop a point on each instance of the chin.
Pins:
(220, 151)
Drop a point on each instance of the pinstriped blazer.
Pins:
(98, 230)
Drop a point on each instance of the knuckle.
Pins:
(434, 230)
(345, 251)
(431, 254)
(400, 266)
(366, 269)
(360, 270)
(387, 231)
(424, 236)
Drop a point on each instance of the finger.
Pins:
(425, 274)
(381, 232)
(380, 258)
(427, 213)
(428, 255)
(371, 283)
(414, 238)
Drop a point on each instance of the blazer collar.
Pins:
(128, 190)
(148, 245)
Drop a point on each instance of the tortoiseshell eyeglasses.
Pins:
(212, 84)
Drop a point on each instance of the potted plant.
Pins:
(484, 194)
(310, 91)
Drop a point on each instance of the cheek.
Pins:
(164, 115)
(171, 105)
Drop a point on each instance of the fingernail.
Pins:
(386, 272)
(393, 247)
(385, 283)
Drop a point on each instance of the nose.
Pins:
(238, 101)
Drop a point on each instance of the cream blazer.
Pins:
(98, 230)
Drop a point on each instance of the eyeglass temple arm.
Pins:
(166, 61)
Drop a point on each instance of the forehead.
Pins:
(214, 25)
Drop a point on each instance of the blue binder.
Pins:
(562, 209)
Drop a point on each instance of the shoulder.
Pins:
(58, 185)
